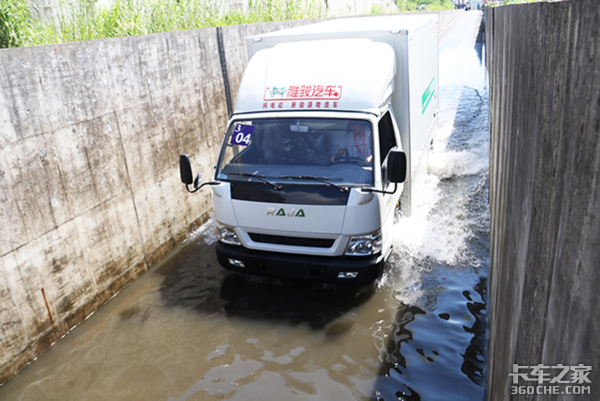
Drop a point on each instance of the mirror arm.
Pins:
(200, 187)
(380, 191)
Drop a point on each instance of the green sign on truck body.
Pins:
(427, 95)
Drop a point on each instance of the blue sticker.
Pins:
(242, 135)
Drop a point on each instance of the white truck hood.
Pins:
(315, 219)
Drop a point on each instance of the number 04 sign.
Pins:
(242, 134)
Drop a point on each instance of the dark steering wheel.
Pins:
(350, 159)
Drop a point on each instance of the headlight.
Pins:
(227, 235)
(364, 245)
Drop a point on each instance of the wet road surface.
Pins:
(189, 330)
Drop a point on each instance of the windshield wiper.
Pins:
(278, 187)
(312, 177)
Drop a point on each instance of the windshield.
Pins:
(318, 151)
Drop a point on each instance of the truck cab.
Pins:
(313, 165)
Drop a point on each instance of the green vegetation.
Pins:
(80, 20)
(431, 5)
(14, 23)
(497, 3)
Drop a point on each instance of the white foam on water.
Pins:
(446, 163)
(205, 233)
(426, 236)
(441, 224)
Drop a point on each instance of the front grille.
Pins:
(295, 241)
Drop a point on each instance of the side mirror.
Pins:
(397, 165)
(185, 169)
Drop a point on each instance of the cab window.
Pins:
(387, 139)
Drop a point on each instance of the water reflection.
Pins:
(475, 355)
(438, 342)
(292, 303)
(391, 356)
(295, 339)
(193, 281)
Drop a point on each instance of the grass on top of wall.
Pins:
(81, 20)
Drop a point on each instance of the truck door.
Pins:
(387, 141)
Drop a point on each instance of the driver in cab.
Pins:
(356, 144)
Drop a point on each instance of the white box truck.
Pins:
(474, 5)
(331, 124)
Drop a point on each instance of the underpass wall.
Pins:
(90, 195)
(544, 71)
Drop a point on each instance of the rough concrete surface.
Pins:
(544, 63)
(89, 187)
(90, 195)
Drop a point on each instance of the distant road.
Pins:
(462, 32)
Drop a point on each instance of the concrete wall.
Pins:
(544, 65)
(90, 196)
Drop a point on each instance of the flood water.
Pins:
(188, 330)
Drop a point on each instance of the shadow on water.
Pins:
(480, 43)
(194, 281)
(293, 303)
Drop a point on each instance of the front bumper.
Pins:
(305, 267)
